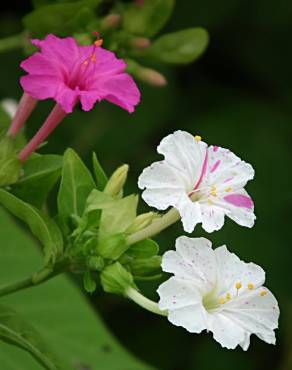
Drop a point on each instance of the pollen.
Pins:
(263, 293)
(210, 202)
(222, 300)
(213, 191)
(228, 190)
(228, 296)
(250, 286)
(98, 43)
(238, 285)
(198, 138)
(85, 62)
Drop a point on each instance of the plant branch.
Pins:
(11, 42)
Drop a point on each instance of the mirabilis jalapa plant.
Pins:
(97, 232)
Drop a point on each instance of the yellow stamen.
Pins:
(98, 42)
(210, 201)
(263, 292)
(93, 58)
(85, 62)
(238, 285)
(228, 190)
(222, 300)
(250, 286)
(213, 191)
(198, 138)
(228, 296)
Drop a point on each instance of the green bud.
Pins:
(10, 165)
(117, 181)
(146, 266)
(140, 43)
(95, 263)
(143, 249)
(116, 279)
(112, 247)
(141, 222)
(89, 282)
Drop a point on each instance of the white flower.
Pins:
(203, 183)
(216, 291)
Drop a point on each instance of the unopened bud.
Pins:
(95, 263)
(112, 247)
(146, 266)
(116, 279)
(141, 222)
(110, 22)
(151, 77)
(117, 181)
(140, 43)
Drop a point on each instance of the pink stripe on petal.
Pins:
(215, 148)
(239, 200)
(214, 168)
(204, 170)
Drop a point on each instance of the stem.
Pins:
(54, 118)
(144, 302)
(26, 105)
(34, 280)
(155, 228)
(11, 42)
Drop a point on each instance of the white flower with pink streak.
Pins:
(203, 183)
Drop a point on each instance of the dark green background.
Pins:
(238, 95)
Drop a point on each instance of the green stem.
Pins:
(155, 228)
(11, 42)
(144, 302)
(34, 280)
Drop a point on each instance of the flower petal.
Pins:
(40, 87)
(227, 171)
(183, 303)
(120, 90)
(212, 218)
(231, 270)
(186, 154)
(193, 260)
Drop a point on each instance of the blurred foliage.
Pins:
(238, 96)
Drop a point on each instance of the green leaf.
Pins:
(118, 217)
(148, 19)
(112, 247)
(180, 47)
(143, 249)
(100, 176)
(61, 314)
(40, 224)
(15, 330)
(76, 185)
(62, 19)
(10, 165)
(40, 174)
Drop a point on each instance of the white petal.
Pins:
(184, 304)
(255, 313)
(212, 217)
(225, 331)
(176, 293)
(183, 152)
(231, 270)
(164, 185)
(194, 260)
(240, 214)
(189, 211)
(226, 170)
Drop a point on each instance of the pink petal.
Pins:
(121, 90)
(239, 200)
(40, 87)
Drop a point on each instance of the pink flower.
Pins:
(66, 72)
(69, 73)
